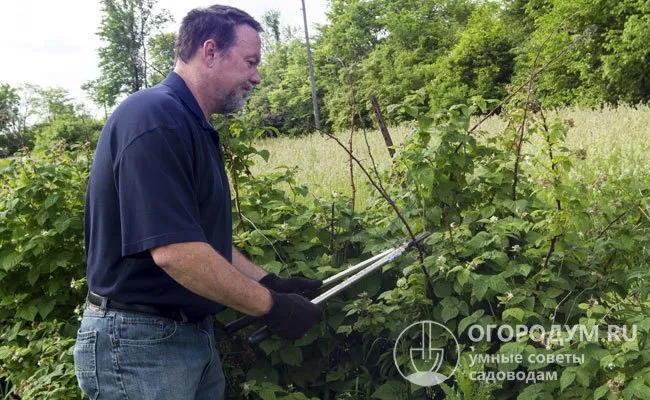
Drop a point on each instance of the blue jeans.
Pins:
(133, 356)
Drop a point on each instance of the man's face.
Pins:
(237, 70)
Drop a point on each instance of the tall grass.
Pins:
(615, 141)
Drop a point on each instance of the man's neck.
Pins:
(192, 82)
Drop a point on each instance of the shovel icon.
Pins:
(426, 359)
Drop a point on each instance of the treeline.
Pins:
(136, 53)
(587, 53)
(38, 118)
(444, 52)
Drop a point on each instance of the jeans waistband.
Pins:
(174, 313)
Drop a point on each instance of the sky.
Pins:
(53, 43)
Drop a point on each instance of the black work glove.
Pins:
(302, 286)
(291, 315)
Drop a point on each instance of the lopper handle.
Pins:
(240, 323)
(259, 335)
(384, 258)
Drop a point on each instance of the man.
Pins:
(160, 260)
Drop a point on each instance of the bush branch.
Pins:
(379, 189)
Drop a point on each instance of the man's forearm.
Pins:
(202, 270)
(246, 267)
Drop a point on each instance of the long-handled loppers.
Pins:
(358, 272)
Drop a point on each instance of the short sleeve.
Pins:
(155, 183)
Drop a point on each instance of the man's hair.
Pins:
(216, 22)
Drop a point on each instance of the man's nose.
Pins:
(255, 79)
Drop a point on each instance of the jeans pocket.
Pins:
(85, 363)
(142, 331)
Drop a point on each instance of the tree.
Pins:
(271, 35)
(601, 50)
(20, 107)
(35, 117)
(625, 66)
(283, 99)
(9, 101)
(161, 53)
(9, 109)
(125, 28)
(388, 47)
(480, 64)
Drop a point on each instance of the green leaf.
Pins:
(601, 391)
(344, 329)
(254, 250)
(465, 322)
(582, 377)
(581, 222)
(391, 390)
(50, 201)
(480, 241)
(524, 269)
(264, 154)
(642, 392)
(514, 313)
(463, 276)
(595, 352)
(41, 217)
(27, 313)
(269, 346)
(449, 313)
(531, 392)
(479, 288)
(61, 224)
(291, 356)
(9, 259)
(605, 361)
(498, 284)
(267, 394)
(32, 275)
(45, 308)
(567, 378)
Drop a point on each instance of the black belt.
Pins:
(172, 313)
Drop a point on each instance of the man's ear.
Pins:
(209, 50)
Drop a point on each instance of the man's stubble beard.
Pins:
(231, 103)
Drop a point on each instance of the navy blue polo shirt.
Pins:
(157, 178)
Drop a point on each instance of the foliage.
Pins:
(39, 117)
(602, 62)
(161, 56)
(480, 64)
(8, 105)
(125, 29)
(544, 249)
(41, 269)
(283, 99)
(592, 53)
(71, 129)
(17, 108)
(393, 55)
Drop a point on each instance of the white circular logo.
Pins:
(423, 349)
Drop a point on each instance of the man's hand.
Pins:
(291, 315)
(302, 286)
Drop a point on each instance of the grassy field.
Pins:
(616, 141)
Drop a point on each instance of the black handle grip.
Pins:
(241, 323)
(259, 335)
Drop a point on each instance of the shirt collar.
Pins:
(178, 85)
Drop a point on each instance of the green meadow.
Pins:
(611, 141)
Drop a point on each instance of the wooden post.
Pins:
(382, 126)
